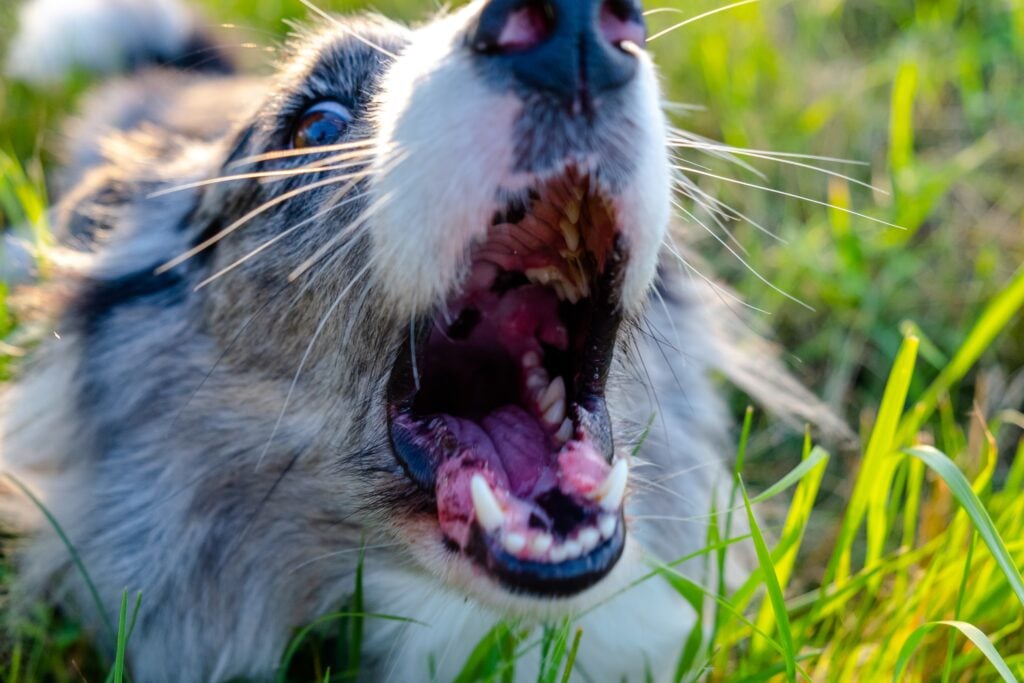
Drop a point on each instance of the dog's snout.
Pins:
(572, 49)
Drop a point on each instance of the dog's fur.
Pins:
(221, 444)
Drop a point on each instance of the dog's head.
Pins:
(434, 235)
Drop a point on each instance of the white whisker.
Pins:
(749, 267)
(361, 39)
(305, 356)
(773, 190)
(210, 241)
(704, 15)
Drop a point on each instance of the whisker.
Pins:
(723, 209)
(273, 240)
(788, 162)
(773, 190)
(301, 152)
(718, 289)
(331, 243)
(347, 30)
(687, 137)
(283, 173)
(704, 15)
(749, 267)
(305, 357)
(342, 552)
(210, 241)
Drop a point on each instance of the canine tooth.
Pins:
(555, 392)
(565, 431)
(531, 359)
(570, 233)
(606, 525)
(589, 538)
(558, 554)
(541, 544)
(514, 543)
(555, 413)
(572, 549)
(609, 494)
(488, 512)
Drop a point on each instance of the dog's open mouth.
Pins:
(499, 410)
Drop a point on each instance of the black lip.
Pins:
(544, 579)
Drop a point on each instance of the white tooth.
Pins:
(570, 233)
(606, 524)
(557, 554)
(565, 431)
(514, 543)
(555, 413)
(530, 359)
(554, 393)
(609, 494)
(589, 538)
(572, 549)
(541, 544)
(488, 512)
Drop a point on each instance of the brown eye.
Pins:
(322, 124)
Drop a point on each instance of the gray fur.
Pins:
(154, 427)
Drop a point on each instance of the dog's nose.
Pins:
(573, 49)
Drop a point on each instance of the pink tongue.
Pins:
(523, 448)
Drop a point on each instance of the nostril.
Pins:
(621, 22)
(521, 29)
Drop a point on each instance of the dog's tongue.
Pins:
(511, 451)
(509, 448)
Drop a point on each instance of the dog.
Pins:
(407, 304)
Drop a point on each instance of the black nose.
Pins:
(572, 49)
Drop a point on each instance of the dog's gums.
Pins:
(497, 408)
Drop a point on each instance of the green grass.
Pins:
(898, 562)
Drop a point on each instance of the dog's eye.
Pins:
(322, 124)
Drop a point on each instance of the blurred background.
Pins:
(926, 97)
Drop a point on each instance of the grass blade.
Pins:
(122, 638)
(771, 583)
(941, 464)
(75, 558)
(1002, 310)
(572, 655)
(793, 476)
(975, 635)
(881, 443)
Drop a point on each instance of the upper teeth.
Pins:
(554, 393)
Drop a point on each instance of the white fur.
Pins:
(57, 36)
(644, 207)
(439, 166)
(642, 627)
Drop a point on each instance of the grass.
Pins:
(901, 561)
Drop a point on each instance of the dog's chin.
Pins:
(425, 542)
